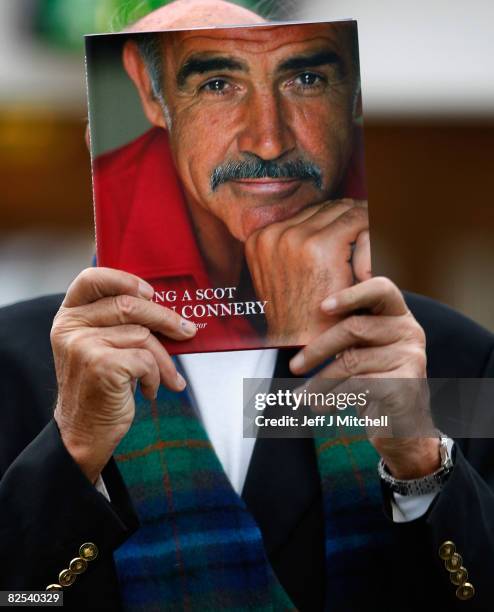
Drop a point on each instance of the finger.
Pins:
(323, 214)
(126, 309)
(347, 226)
(274, 231)
(318, 215)
(329, 212)
(95, 283)
(140, 364)
(122, 367)
(362, 257)
(337, 238)
(378, 295)
(370, 360)
(357, 330)
(315, 218)
(135, 336)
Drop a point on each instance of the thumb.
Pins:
(361, 260)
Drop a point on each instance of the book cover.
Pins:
(228, 172)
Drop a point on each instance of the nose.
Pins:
(265, 130)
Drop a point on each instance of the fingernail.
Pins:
(329, 304)
(181, 384)
(188, 327)
(297, 363)
(145, 290)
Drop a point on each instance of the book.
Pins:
(228, 172)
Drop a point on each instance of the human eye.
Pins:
(216, 86)
(308, 82)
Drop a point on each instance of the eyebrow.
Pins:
(315, 60)
(199, 64)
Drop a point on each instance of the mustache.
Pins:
(256, 168)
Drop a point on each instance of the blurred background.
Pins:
(428, 85)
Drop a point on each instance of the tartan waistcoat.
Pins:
(199, 549)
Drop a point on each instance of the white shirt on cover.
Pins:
(215, 383)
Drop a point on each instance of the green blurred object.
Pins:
(64, 23)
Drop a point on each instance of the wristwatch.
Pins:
(427, 484)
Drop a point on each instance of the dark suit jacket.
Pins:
(48, 508)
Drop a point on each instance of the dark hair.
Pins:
(150, 50)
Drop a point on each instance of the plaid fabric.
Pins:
(357, 531)
(198, 548)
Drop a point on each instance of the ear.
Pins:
(137, 71)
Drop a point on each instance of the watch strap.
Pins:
(431, 483)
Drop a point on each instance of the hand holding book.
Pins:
(102, 344)
(386, 344)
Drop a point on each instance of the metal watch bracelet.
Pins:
(426, 484)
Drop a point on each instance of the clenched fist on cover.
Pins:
(298, 262)
(103, 343)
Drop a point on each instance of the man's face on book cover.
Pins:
(260, 119)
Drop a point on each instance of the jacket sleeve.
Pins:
(462, 514)
(48, 509)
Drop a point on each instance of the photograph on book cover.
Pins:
(228, 171)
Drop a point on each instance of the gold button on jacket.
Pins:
(459, 577)
(88, 551)
(454, 562)
(78, 565)
(66, 577)
(447, 549)
(465, 591)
